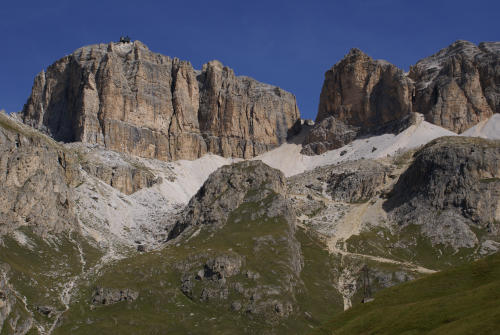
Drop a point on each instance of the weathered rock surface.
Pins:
(36, 176)
(456, 88)
(453, 184)
(366, 93)
(119, 170)
(356, 181)
(459, 86)
(329, 134)
(226, 189)
(359, 183)
(129, 99)
(109, 296)
(360, 96)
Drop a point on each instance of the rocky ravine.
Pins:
(129, 99)
(456, 88)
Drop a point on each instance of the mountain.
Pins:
(97, 237)
(456, 88)
(262, 252)
(129, 99)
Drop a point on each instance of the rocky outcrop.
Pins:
(36, 176)
(225, 190)
(109, 296)
(129, 99)
(365, 93)
(453, 183)
(459, 86)
(456, 88)
(121, 171)
(329, 134)
(127, 179)
(359, 183)
(350, 182)
(242, 212)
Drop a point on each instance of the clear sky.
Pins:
(285, 43)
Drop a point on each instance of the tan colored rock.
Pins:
(121, 171)
(366, 93)
(456, 88)
(36, 180)
(459, 86)
(129, 99)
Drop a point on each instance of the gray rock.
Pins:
(225, 190)
(357, 185)
(36, 177)
(109, 296)
(452, 184)
(458, 87)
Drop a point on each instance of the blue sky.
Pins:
(286, 43)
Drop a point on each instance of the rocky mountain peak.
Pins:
(129, 99)
(457, 87)
(493, 47)
(363, 92)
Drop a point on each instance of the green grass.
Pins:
(163, 309)
(489, 180)
(38, 272)
(408, 245)
(12, 126)
(463, 300)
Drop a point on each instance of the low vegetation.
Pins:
(463, 300)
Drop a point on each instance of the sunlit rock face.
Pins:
(129, 99)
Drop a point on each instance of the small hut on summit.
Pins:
(124, 39)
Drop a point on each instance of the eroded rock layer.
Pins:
(129, 99)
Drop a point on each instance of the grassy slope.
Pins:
(463, 300)
(162, 308)
(408, 245)
(39, 272)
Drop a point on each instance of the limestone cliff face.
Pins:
(129, 99)
(363, 92)
(36, 180)
(459, 86)
(456, 88)
(359, 96)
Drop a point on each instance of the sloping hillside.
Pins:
(463, 300)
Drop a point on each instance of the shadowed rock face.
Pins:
(453, 183)
(36, 180)
(459, 86)
(129, 99)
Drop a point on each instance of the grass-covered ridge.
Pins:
(463, 300)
